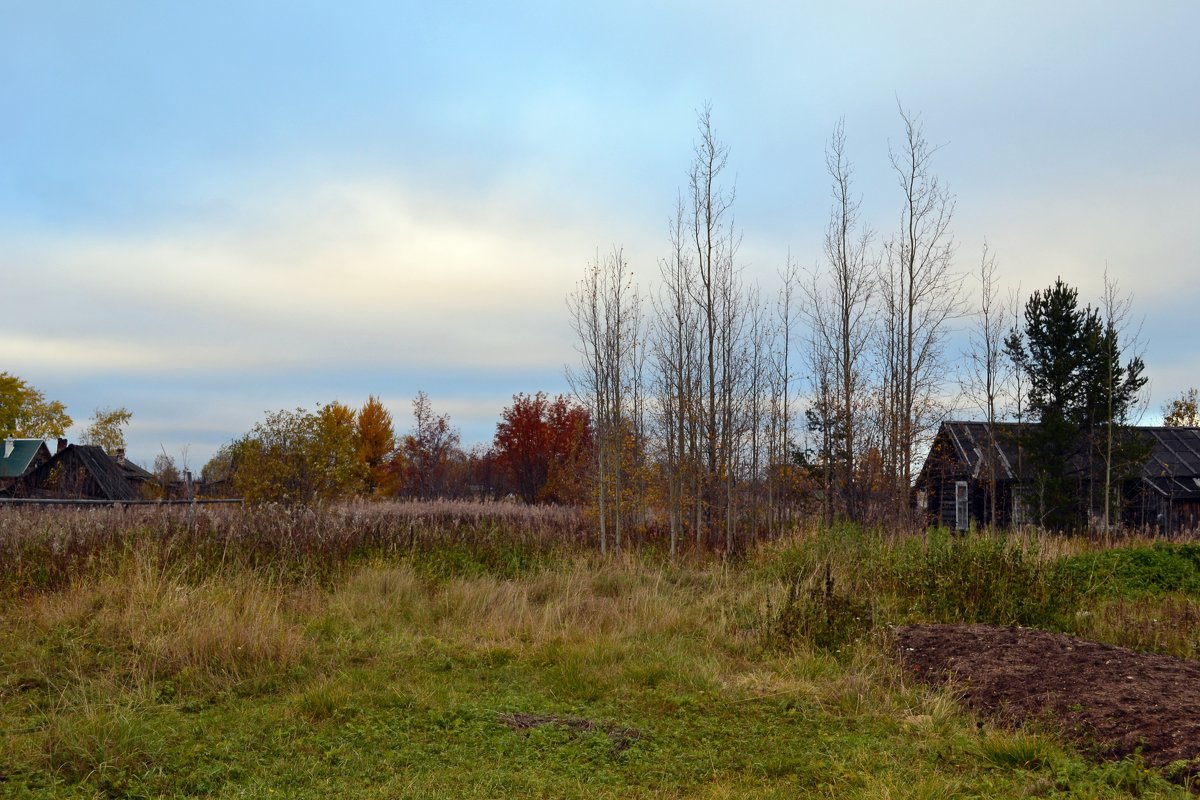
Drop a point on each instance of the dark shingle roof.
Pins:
(1174, 460)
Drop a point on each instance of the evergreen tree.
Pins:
(1081, 397)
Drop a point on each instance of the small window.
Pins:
(961, 517)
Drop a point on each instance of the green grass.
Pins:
(1144, 571)
(398, 675)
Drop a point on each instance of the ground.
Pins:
(1114, 700)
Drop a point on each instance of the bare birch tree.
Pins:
(923, 297)
(718, 297)
(674, 350)
(605, 314)
(841, 321)
(780, 380)
(987, 372)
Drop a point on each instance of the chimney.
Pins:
(9, 444)
(121, 456)
(62, 445)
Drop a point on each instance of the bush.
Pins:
(1148, 571)
(982, 578)
(816, 611)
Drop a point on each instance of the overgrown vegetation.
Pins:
(468, 651)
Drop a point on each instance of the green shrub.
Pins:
(982, 578)
(818, 612)
(1146, 571)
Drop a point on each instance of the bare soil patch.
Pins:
(1114, 700)
(621, 737)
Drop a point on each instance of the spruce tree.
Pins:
(1081, 397)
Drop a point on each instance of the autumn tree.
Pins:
(107, 429)
(166, 475)
(376, 443)
(299, 457)
(25, 413)
(429, 451)
(219, 468)
(1183, 411)
(542, 446)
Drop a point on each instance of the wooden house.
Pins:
(83, 472)
(974, 475)
(18, 457)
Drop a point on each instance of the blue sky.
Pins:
(211, 210)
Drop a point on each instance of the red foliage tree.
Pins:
(428, 454)
(543, 447)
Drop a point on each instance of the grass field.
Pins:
(462, 651)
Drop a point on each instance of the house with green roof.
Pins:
(19, 456)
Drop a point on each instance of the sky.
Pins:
(209, 211)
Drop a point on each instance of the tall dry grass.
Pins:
(46, 549)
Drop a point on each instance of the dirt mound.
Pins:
(1106, 697)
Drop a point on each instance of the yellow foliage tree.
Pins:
(26, 414)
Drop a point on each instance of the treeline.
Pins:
(539, 454)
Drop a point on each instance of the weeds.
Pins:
(45, 550)
(372, 650)
(814, 610)
(981, 578)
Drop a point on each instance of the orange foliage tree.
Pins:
(543, 446)
(376, 443)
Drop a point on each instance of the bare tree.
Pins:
(986, 371)
(780, 378)
(606, 316)
(1122, 384)
(923, 295)
(675, 349)
(841, 321)
(717, 293)
(1014, 348)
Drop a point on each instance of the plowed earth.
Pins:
(1114, 700)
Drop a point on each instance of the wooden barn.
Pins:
(968, 459)
(83, 472)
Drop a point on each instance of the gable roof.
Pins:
(1172, 468)
(14, 464)
(102, 476)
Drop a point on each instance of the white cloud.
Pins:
(353, 273)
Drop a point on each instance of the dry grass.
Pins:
(223, 628)
(583, 598)
(387, 635)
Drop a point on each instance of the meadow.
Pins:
(466, 650)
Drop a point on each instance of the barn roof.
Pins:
(14, 462)
(1172, 468)
(106, 475)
